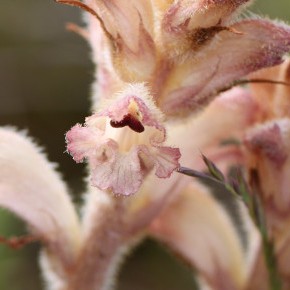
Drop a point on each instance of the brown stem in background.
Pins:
(252, 81)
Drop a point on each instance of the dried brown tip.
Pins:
(17, 242)
(86, 8)
(77, 29)
(235, 31)
(79, 4)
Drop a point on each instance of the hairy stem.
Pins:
(103, 248)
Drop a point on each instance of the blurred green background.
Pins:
(45, 77)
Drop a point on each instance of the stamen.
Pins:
(129, 121)
(203, 35)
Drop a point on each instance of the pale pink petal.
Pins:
(202, 232)
(81, 141)
(166, 160)
(122, 174)
(32, 189)
(228, 57)
(269, 145)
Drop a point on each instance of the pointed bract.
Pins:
(189, 25)
(129, 29)
(228, 57)
(30, 188)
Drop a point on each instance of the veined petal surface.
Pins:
(227, 58)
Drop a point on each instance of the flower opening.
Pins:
(124, 142)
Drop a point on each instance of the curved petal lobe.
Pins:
(228, 57)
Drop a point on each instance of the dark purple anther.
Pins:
(130, 121)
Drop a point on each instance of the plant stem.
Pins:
(103, 248)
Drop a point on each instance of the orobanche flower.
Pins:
(267, 146)
(161, 56)
(121, 158)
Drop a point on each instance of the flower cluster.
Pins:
(183, 53)
(160, 66)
